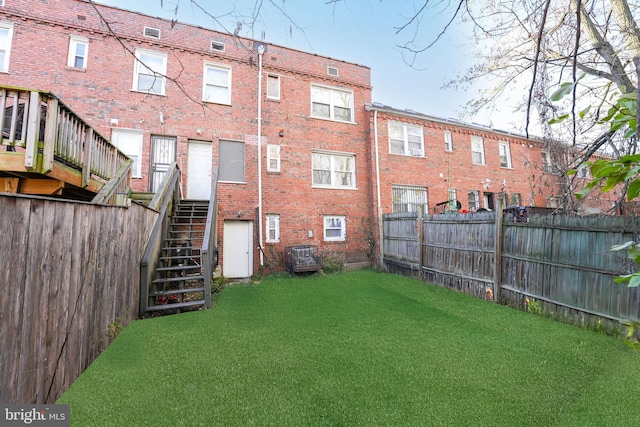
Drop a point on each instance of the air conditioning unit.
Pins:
(415, 153)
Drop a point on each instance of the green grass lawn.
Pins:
(357, 349)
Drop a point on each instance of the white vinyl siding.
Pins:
(216, 87)
(149, 72)
(331, 103)
(406, 139)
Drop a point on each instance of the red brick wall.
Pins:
(103, 92)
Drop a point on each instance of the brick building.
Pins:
(164, 91)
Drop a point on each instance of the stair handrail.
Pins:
(167, 192)
(209, 249)
(118, 185)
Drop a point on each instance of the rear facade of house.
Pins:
(329, 161)
(314, 173)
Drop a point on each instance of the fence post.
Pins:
(497, 275)
(420, 238)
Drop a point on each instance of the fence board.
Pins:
(67, 270)
(563, 261)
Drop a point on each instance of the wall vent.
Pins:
(152, 33)
(332, 71)
(217, 46)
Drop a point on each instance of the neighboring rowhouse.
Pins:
(164, 91)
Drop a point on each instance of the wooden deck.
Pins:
(46, 149)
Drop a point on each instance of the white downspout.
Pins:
(380, 237)
(260, 53)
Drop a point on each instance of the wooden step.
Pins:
(175, 305)
(178, 279)
(195, 257)
(180, 268)
(176, 292)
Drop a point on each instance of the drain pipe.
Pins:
(380, 237)
(260, 53)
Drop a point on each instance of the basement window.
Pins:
(152, 33)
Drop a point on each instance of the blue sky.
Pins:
(360, 31)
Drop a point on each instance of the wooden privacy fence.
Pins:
(562, 262)
(68, 279)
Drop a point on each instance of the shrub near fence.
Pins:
(562, 262)
(69, 277)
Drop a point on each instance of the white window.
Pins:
(78, 52)
(273, 228)
(6, 34)
(474, 200)
(273, 158)
(331, 103)
(453, 199)
(129, 141)
(405, 139)
(448, 141)
(149, 72)
(477, 150)
(273, 86)
(409, 198)
(335, 228)
(1, 2)
(505, 155)
(515, 199)
(216, 87)
(334, 170)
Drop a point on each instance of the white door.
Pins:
(199, 171)
(238, 249)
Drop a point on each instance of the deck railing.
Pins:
(46, 130)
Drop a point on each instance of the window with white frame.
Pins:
(273, 228)
(129, 141)
(78, 52)
(409, 198)
(452, 196)
(1, 2)
(331, 103)
(448, 141)
(477, 150)
(334, 170)
(273, 86)
(6, 34)
(273, 158)
(232, 165)
(406, 139)
(473, 198)
(515, 199)
(216, 87)
(505, 155)
(149, 72)
(335, 228)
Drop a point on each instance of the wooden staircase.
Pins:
(179, 283)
